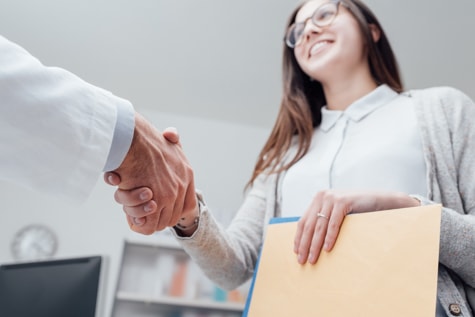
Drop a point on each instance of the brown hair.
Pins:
(303, 98)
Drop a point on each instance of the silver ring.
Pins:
(320, 215)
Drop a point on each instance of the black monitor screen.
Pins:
(57, 288)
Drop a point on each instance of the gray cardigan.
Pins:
(228, 256)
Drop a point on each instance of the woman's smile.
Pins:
(318, 47)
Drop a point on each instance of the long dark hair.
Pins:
(303, 98)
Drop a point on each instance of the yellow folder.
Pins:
(383, 264)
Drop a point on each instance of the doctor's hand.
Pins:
(156, 170)
(320, 225)
(137, 202)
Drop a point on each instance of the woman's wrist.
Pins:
(188, 225)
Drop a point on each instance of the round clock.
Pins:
(34, 242)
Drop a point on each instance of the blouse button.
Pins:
(455, 309)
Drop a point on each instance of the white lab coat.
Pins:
(55, 129)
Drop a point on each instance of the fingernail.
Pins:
(147, 208)
(144, 195)
(138, 221)
(325, 246)
(310, 258)
(300, 258)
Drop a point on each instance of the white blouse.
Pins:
(374, 144)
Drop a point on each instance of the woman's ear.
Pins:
(375, 32)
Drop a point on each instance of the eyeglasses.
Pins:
(323, 16)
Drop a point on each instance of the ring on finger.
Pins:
(320, 215)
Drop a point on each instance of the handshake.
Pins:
(155, 181)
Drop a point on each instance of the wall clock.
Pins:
(34, 242)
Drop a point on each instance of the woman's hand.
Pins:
(320, 225)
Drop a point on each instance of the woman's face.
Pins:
(332, 51)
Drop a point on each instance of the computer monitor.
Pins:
(54, 288)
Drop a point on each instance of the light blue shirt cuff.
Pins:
(122, 139)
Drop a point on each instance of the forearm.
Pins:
(227, 257)
(215, 255)
(457, 238)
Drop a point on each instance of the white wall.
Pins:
(222, 154)
(432, 40)
(222, 59)
(207, 58)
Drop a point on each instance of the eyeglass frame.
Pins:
(314, 14)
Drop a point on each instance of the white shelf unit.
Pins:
(157, 278)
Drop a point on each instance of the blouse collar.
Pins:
(360, 108)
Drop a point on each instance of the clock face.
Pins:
(34, 242)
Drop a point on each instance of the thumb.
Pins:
(112, 178)
(171, 135)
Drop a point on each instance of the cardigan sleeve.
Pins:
(228, 256)
(450, 151)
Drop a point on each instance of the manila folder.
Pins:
(383, 264)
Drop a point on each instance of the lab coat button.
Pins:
(455, 309)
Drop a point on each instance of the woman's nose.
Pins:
(309, 29)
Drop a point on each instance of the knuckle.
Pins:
(333, 226)
(117, 196)
(320, 227)
(318, 196)
(331, 195)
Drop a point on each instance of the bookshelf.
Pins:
(157, 278)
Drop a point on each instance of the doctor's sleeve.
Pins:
(57, 132)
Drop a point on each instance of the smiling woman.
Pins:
(345, 39)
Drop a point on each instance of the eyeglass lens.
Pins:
(323, 16)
